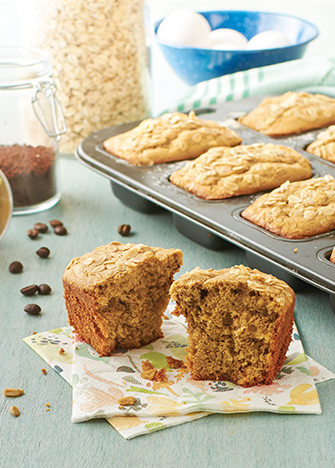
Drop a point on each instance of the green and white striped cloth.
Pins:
(314, 75)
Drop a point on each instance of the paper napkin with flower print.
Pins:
(56, 348)
(99, 383)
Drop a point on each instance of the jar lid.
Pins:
(6, 204)
(19, 65)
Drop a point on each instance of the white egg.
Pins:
(227, 46)
(268, 40)
(185, 27)
(227, 36)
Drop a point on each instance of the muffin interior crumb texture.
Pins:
(239, 324)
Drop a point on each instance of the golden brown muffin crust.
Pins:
(296, 210)
(226, 172)
(171, 137)
(324, 145)
(292, 112)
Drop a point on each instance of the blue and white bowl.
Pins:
(194, 65)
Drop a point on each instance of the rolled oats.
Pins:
(15, 411)
(13, 392)
(100, 61)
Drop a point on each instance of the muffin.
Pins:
(171, 137)
(292, 112)
(239, 323)
(296, 210)
(324, 145)
(227, 172)
(116, 295)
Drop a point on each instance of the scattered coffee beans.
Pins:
(29, 290)
(124, 229)
(60, 230)
(32, 309)
(55, 222)
(44, 289)
(43, 252)
(41, 227)
(33, 233)
(15, 267)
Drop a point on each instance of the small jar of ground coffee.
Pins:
(31, 122)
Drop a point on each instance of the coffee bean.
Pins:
(55, 222)
(124, 229)
(15, 267)
(33, 233)
(41, 227)
(44, 289)
(43, 252)
(60, 230)
(29, 290)
(32, 309)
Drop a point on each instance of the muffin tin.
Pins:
(216, 224)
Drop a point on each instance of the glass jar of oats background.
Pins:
(100, 60)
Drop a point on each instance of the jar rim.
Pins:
(20, 65)
(7, 204)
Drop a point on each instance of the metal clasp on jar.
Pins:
(53, 124)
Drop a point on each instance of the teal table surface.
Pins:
(91, 214)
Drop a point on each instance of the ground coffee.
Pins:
(30, 171)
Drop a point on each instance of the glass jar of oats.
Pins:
(31, 122)
(100, 59)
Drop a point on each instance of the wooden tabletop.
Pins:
(91, 214)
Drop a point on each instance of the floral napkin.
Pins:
(99, 383)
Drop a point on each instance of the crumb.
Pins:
(76, 347)
(127, 401)
(148, 384)
(160, 376)
(148, 370)
(295, 250)
(62, 351)
(34, 333)
(165, 317)
(44, 371)
(174, 363)
(47, 409)
(47, 404)
(182, 372)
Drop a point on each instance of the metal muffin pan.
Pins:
(216, 224)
